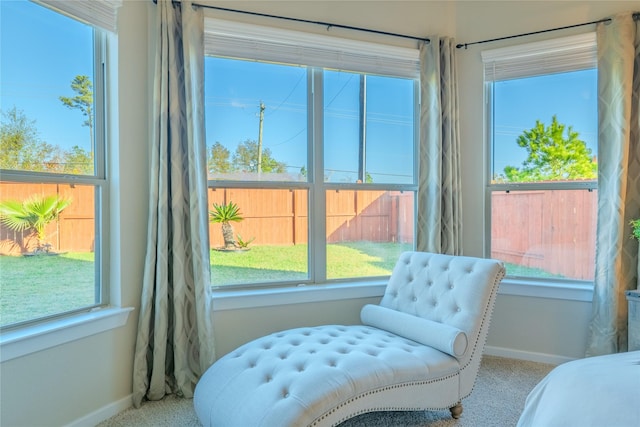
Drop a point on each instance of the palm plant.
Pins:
(34, 213)
(225, 214)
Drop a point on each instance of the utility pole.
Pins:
(362, 155)
(262, 108)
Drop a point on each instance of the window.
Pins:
(53, 183)
(542, 133)
(311, 145)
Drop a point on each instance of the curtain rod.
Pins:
(636, 17)
(466, 45)
(329, 25)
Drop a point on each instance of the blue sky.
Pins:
(518, 103)
(38, 63)
(235, 89)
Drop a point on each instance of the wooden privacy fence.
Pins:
(551, 230)
(280, 217)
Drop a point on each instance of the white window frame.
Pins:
(571, 53)
(243, 41)
(44, 333)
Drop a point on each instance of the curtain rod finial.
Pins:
(460, 46)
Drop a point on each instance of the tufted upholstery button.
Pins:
(414, 299)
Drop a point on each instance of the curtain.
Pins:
(175, 332)
(439, 227)
(618, 182)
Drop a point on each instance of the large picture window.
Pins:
(313, 167)
(52, 164)
(542, 188)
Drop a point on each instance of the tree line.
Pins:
(244, 159)
(554, 152)
(21, 147)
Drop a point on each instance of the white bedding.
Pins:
(597, 391)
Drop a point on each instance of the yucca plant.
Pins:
(244, 244)
(225, 214)
(34, 213)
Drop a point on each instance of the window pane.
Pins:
(545, 128)
(367, 231)
(256, 120)
(547, 234)
(47, 122)
(51, 269)
(267, 241)
(379, 149)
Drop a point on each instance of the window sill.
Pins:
(564, 291)
(255, 298)
(39, 337)
(234, 300)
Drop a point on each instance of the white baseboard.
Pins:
(531, 356)
(108, 411)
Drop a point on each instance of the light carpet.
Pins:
(496, 401)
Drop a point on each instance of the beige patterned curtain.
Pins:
(439, 227)
(175, 331)
(618, 181)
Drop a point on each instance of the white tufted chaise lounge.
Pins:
(419, 349)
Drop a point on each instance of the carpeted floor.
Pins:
(496, 401)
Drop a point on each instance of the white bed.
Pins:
(597, 391)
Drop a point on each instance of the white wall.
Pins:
(82, 379)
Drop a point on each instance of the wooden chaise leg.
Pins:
(456, 411)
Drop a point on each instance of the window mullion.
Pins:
(317, 210)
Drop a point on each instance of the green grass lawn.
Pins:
(39, 286)
(289, 263)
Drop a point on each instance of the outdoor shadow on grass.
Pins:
(288, 263)
(230, 275)
(38, 286)
(382, 255)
